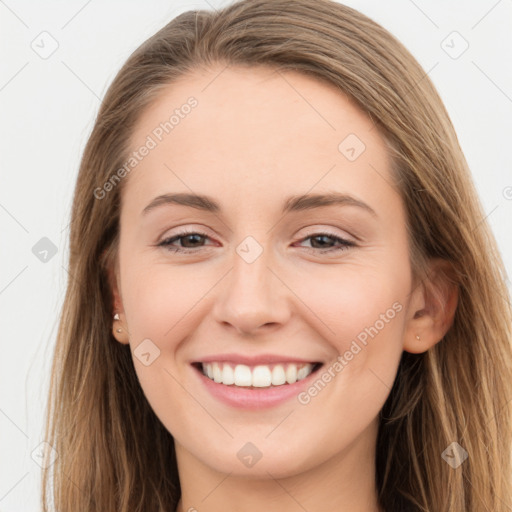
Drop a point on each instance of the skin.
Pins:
(256, 138)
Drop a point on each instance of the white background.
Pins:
(47, 110)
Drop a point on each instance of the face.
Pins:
(259, 281)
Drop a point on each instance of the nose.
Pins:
(253, 297)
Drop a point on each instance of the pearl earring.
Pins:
(116, 317)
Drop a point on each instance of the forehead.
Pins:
(258, 131)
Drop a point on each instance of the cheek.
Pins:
(158, 298)
(353, 298)
(362, 312)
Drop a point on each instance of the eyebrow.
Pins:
(292, 204)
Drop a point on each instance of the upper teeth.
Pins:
(261, 376)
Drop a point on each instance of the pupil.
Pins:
(188, 237)
(321, 237)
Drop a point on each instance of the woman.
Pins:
(206, 358)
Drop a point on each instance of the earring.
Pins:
(116, 317)
(417, 337)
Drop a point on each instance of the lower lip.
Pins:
(254, 398)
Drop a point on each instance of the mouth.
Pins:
(256, 376)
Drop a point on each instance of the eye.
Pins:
(321, 239)
(190, 237)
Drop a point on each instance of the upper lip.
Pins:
(253, 360)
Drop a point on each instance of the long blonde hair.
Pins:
(113, 452)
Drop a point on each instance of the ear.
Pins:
(432, 308)
(119, 326)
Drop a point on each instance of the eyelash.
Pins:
(345, 244)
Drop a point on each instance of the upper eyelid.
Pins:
(314, 229)
(184, 232)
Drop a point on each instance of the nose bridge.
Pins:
(251, 271)
(252, 295)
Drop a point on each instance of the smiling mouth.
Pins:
(259, 376)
